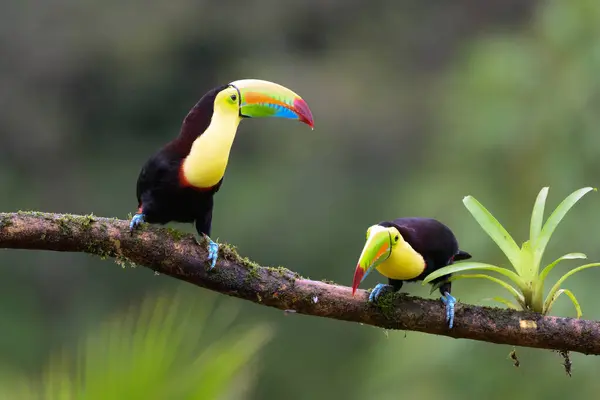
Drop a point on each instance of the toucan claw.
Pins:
(213, 252)
(449, 301)
(378, 290)
(136, 221)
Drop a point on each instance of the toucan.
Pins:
(179, 181)
(407, 250)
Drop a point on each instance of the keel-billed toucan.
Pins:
(409, 249)
(179, 181)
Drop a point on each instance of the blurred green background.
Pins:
(416, 105)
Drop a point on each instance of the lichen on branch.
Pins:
(178, 255)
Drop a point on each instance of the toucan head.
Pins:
(381, 241)
(254, 98)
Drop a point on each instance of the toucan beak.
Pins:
(260, 98)
(377, 249)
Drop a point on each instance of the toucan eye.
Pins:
(233, 97)
(396, 238)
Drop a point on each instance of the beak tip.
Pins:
(303, 111)
(358, 276)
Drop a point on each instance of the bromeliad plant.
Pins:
(527, 282)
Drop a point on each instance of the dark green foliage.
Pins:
(156, 351)
(417, 105)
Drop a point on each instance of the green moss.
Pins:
(285, 273)
(281, 271)
(87, 221)
(230, 247)
(330, 282)
(124, 262)
(5, 222)
(30, 213)
(63, 224)
(386, 302)
(102, 227)
(246, 262)
(97, 249)
(175, 234)
(229, 251)
(253, 273)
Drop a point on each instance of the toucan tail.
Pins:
(462, 255)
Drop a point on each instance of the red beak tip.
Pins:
(358, 274)
(304, 113)
(307, 121)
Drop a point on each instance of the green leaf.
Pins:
(571, 296)
(224, 360)
(470, 266)
(166, 349)
(549, 267)
(528, 269)
(537, 216)
(494, 230)
(517, 295)
(555, 218)
(506, 302)
(563, 278)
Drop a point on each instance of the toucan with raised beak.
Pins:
(179, 182)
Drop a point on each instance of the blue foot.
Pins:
(449, 301)
(136, 221)
(213, 252)
(378, 290)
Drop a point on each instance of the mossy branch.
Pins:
(178, 255)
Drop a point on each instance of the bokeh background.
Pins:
(416, 104)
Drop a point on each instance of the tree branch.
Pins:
(178, 255)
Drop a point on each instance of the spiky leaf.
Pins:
(518, 296)
(506, 302)
(157, 351)
(570, 295)
(494, 230)
(556, 287)
(549, 267)
(555, 218)
(471, 266)
(537, 216)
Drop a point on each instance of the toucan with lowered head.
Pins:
(407, 250)
(179, 181)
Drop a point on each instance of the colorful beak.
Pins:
(267, 99)
(377, 249)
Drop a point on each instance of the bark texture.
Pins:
(178, 255)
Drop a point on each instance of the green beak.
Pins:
(376, 250)
(259, 99)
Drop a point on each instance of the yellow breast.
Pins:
(205, 165)
(404, 263)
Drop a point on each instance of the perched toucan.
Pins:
(179, 181)
(409, 249)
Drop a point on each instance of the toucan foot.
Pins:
(449, 301)
(213, 252)
(378, 290)
(136, 221)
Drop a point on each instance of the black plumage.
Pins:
(434, 241)
(161, 192)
